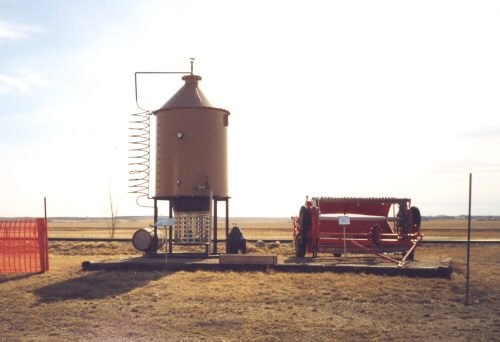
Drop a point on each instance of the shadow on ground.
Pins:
(96, 285)
(11, 277)
(330, 260)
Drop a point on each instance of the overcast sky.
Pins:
(327, 98)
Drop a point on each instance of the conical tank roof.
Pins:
(188, 96)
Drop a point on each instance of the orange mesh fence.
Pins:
(24, 246)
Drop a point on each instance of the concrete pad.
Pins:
(370, 265)
(248, 259)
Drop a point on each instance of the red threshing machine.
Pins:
(357, 225)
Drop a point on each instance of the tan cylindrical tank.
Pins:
(191, 153)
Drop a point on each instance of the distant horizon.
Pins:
(424, 217)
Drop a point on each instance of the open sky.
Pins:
(327, 98)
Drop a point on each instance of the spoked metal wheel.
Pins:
(416, 219)
(305, 226)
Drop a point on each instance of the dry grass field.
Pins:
(67, 303)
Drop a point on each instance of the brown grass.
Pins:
(69, 304)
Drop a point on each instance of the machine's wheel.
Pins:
(337, 255)
(416, 219)
(305, 220)
(305, 226)
(300, 247)
(375, 234)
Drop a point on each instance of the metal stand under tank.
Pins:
(171, 237)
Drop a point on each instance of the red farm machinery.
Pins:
(378, 226)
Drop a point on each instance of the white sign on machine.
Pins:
(344, 221)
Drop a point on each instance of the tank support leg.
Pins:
(215, 227)
(155, 236)
(227, 221)
(170, 228)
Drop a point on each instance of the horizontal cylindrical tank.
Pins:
(191, 153)
(143, 239)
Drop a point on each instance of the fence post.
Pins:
(467, 278)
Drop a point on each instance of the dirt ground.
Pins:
(67, 303)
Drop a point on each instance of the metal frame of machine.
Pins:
(358, 225)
